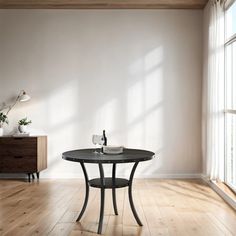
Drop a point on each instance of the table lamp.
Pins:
(22, 97)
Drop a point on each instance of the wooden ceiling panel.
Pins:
(102, 4)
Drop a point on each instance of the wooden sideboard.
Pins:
(23, 155)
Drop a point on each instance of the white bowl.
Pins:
(113, 149)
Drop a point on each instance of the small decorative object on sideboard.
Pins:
(22, 97)
(3, 120)
(23, 125)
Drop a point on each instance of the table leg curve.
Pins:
(114, 189)
(86, 191)
(130, 194)
(102, 198)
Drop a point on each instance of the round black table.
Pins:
(88, 156)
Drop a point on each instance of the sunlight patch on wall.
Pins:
(153, 59)
(106, 116)
(135, 135)
(63, 104)
(135, 101)
(154, 129)
(62, 115)
(145, 99)
(153, 88)
(58, 137)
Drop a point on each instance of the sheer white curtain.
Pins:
(213, 91)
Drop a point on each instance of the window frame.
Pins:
(227, 42)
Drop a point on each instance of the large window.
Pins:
(230, 95)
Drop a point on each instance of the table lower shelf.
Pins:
(119, 183)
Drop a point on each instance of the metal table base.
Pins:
(108, 183)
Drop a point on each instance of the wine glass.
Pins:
(98, 141)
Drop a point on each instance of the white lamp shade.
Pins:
(24, 97)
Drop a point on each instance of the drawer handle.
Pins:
(18, 157)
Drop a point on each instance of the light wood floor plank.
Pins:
(166, 208)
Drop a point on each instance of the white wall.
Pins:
(135, 73)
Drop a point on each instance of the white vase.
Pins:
(23, 128)
(1, 131)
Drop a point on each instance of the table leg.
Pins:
(102, 198)
(29, 177)
(130, 195)
(114, 188)
(37, 175)
(86, 193)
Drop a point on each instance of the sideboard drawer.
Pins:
(18, 163)
(23, 154)
(18, 146)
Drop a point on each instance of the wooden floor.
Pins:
(166, 207)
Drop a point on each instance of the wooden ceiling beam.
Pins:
(102, 4)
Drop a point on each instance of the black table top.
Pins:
(88, 156)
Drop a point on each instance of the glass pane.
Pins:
(234, 76)
(231, 149)
(231, 21)
(230, 72)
